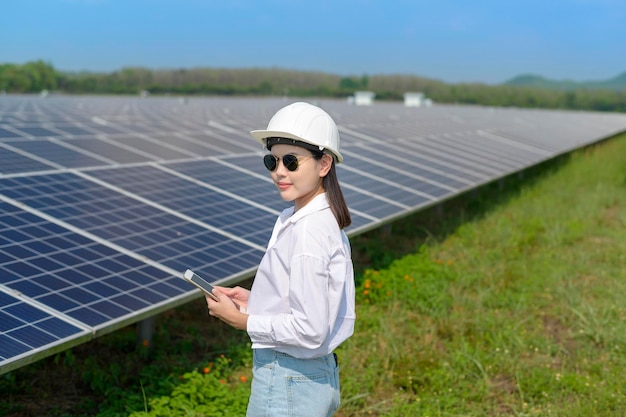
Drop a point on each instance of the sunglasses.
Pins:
(291, 162)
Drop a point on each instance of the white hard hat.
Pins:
(306, 123)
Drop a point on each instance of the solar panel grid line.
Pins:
(267, 179)
(539, 150)
(375, 196)
(54, 128)
(209, 146)
(223, 127)
(382, 162)
(141, 152)
(407, 173)
(377, 130)
(389, 183)
(192, 143)
(544, 142)
(165, 209)
(595, 124)
(27, 130)
(235, 139)
(45, 308)
(17, 352)
(193, 199)
(227, 162)
(394, 193)
(93, 305)
(425, 127)
(32, 156)
(116, 154)
(99, 120)
(472, 152)
(130, 315)
(459, 158)
(144, 142)
(69, 145)
(493, 148)
(74, 132)
(14, 131)
(12, 163)
(189, 123)
(156, 141)
(355, 133)
(35, 132)
(368, 216)
(216, 189)
(223, 173)
(81, 124)
(411, 130)
(58, 154)
(503, 148)
(88, 235)
(457, 171)
(6, 134)
(406, 156)
(218, 143)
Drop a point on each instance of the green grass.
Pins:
(519, 311)
(510, 304)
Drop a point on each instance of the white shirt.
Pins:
(302, 299)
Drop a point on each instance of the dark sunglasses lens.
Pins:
(270, 162)
(290, 162)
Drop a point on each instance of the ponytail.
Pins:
(334, 195)
(335, 198)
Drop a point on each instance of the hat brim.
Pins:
(262, 135)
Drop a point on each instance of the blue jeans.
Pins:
(286, 386)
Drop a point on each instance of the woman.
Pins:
(301, 305)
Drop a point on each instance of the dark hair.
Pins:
(334, 195)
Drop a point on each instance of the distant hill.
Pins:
(530, 80)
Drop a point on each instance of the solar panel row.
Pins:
(105, 201)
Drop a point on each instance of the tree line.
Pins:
(33, 77)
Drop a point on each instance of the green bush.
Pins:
(212, 392)
(417, 281)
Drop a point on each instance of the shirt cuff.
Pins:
(259, 329)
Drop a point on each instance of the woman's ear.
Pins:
(325, 164)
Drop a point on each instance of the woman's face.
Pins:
(303, 184)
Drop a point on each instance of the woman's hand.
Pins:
(238, 295)
(228, 308)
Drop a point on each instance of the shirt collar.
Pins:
(319, 202)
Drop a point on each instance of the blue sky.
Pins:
(487, 41)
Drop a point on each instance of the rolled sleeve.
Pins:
(308, 324)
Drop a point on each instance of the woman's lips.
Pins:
(283, 185)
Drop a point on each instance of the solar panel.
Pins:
(104, 202)
(58, 154)
(27, 328)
